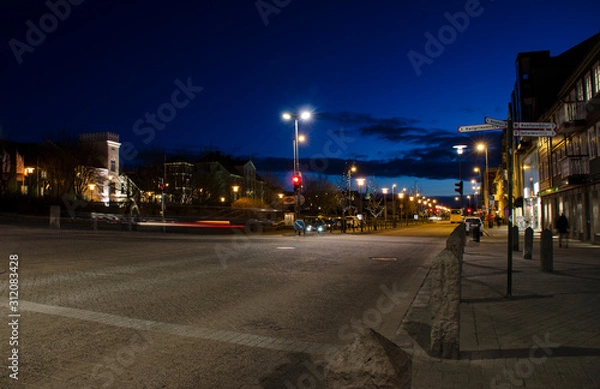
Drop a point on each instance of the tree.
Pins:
(374, 202)
(321, 195)
(70, 165)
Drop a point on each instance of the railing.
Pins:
(574, 166)
(571, 112)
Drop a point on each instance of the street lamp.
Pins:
(235, 189)
(401, 197)
(486, 188)
(304, 116)
(361, 183)
(385, 192)
(460, 149)
(393, 206)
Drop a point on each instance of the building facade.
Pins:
(560, 174)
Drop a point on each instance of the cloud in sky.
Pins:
(410, 148)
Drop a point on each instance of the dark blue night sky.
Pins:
(209, 75)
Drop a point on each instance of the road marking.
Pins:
(233, 337)
(384, 258)
(286, 248)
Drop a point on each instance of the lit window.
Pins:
(588, 86)
(597, 77)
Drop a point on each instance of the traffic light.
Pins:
(459, 187)
(297, 181)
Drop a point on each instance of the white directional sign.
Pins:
(496, 122)
(534, 132)
(535, 125)
(477, 127)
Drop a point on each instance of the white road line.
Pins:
(226, 336)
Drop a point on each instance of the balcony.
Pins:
(571, 117)
(575, 169)
(593, 105)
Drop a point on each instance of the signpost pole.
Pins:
(509, 149)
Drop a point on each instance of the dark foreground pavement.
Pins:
(547, 335)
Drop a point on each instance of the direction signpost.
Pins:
(530, 129)
(536, 132)
(535, 125)
(477, 127)
(496, 122)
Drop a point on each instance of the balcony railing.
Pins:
(571, 113)
(575, 166)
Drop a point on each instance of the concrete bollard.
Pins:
(546, 252)
(515, 238)
(55, 216)
(445, 305)
(528, 246)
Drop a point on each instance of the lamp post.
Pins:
(393, 206)
(401, 198)
(460, 149)
(280, 195)
(361, 183)
(385, 192)
(304, 116)
(235, 189)
(484, 183)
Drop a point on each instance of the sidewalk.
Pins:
(546, 336)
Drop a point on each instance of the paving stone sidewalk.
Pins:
(547, 335)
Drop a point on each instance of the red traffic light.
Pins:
(297, 181)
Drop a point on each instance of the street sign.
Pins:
(299, 225)
(535, 125)
(477, 127)
(496, 122)
(534, 132)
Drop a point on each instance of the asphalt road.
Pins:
(151, 310)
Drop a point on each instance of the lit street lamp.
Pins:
(486, 188)
(393, 206)
(304, 116)
(361, 183)
(385, 192)
(460, 150)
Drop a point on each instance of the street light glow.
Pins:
(286, 116)
(305, 115)
(460, 148)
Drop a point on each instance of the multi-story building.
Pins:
(216, 179)
(104, 182)
(560, 174)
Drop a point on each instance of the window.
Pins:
(579, 91)
(587, 80)
(592, 142)
(113, 165)
(596, 77)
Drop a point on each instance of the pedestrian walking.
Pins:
(562, 225)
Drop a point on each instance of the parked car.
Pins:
(352, 222)
(472, 221)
